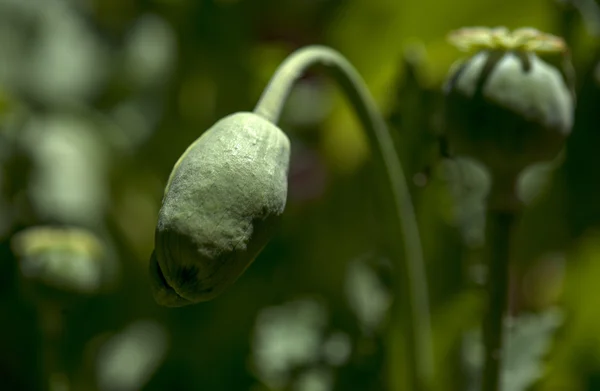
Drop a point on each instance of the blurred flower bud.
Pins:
(62, 260)
(511, 103)
(221, 203)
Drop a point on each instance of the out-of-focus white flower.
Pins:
(317, 379)
(129, 359)
(367, 296)
(69, 182)
(337, 348)
(150, 51)
(285, 337)
(66, 61)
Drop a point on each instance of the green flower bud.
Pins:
(505, 105)
(221, 203)
(62, 262)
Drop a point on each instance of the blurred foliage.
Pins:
(98, 99)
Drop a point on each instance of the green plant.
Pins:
(505, 106)
(508, 108)
(241, 201)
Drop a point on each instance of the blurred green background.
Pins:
(98, 99)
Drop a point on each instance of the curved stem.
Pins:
(270, 106)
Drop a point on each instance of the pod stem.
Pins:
(51, 322)
(414, 289)
(502, 211)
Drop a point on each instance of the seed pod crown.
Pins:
(510, 104)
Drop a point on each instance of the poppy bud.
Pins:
(221, 203)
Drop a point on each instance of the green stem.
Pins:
(270, 106)
(500, 223)
(51, 321)
(590, 13)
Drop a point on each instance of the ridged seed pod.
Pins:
(510, 104)
(221, 204)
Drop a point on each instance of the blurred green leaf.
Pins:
(527, 342)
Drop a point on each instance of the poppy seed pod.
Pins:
(505, 105)
(221, 203)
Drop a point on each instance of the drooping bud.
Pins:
(221, 204)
